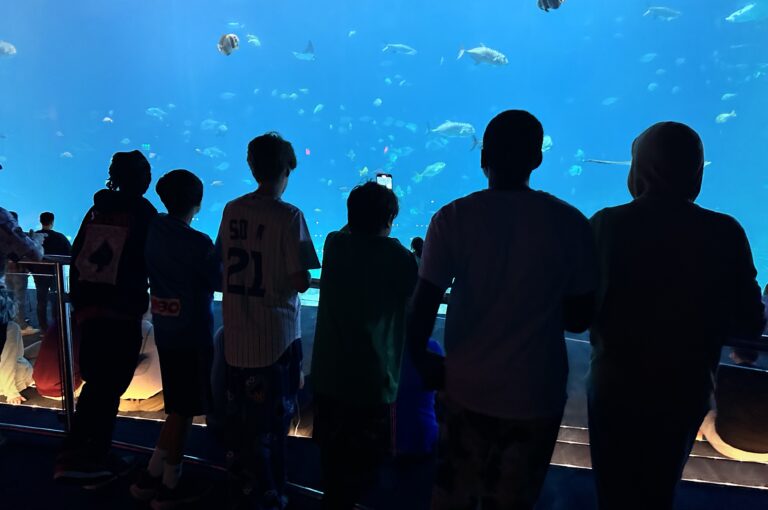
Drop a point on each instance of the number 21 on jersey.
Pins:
(242, 260)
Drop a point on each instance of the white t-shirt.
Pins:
(263, 241)
(511, 257)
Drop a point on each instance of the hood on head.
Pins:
(667, 160)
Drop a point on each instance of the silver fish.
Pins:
(485, 55)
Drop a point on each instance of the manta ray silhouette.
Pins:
(102, 256)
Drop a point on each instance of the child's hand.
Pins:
(14, 401)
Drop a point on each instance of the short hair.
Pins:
(46, 218)
(512, 145)
(180, 191)
(14, 214)
(417, 245)
(269, 155)
(129, 172)
(371, 208)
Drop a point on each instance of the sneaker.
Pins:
(185, 493)
(147, 487)
(29, 330)
(91, 472)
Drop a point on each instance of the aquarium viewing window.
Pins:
(360, 88)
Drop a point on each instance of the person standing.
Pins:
(108, 289)
(267, 253)
(54, 243)
(677, 281)
(522, 269)
(17, 281)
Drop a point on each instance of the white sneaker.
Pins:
(29, 330)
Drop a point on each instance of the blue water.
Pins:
(587, 71)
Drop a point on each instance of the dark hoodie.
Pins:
(129, 297)
(677, 279)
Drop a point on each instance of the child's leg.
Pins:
(169, 453)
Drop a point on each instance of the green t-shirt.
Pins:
(366, 284)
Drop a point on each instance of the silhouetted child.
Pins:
(184, 271)
(367, 280)
(268, 252)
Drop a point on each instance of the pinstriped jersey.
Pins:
(263, 241)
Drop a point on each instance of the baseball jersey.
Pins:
(263, 241)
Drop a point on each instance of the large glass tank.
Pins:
(367, 87)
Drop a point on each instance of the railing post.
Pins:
(65, 349)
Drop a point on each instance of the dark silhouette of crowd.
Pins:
(660, 282)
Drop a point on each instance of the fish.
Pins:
(675, 89)
(399, 192)
(318, 108)
(226, 96)
(228, 43)
(221, 167)
(725, 117)
(546, 144)
(7, 49)
(66, 155)
(485, 55)
(155, 112)
(351, 33)
(209, 125)
(363, 172)
(256, 91)
(107, 120)
(728, 96)
(235, 24)
(304, 91)
(222, 129)
(662, 13)
(293, 96)
(253, 40)
(453, 129)
(653, 86)
(402, 49)
(575, 170)
(608, 101)
(217, 183)
(351, 155)
(753, 11)
(430, 171)
(622, 163)
(377, 102)
(212, 152)
(308, 54)
(680, 61)
(648, 57)
(125, 141)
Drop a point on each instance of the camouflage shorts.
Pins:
(490, 462)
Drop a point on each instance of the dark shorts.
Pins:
(186, 375)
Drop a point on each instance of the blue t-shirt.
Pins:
(184, 271)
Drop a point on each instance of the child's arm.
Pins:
(300, 255)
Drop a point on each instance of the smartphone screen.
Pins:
(384, 180)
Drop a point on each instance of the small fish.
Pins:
(653, 86)
(377, 102)
(680, 61)
(301, 111)
(575, 170)
(753, 11)
(155, 112)
(228, 43)
(662, 13)
(7, 49)
(318, 108)
(209, 125)
(317, 210)
(351, 33)
(402, 49)
(226, 96)
(170, 106)
(59, 134)
(253, 40)
(399, 192)
(221, 167)
(235, 25)
(675, 89)
(256, 91)
(107, 120)
(304, 91)
(484, 55)
(608, 101)
(648, 57)
(728, 96)
(351, 155)
(125, 141)
(364, 171)
(222, 129)
(66, 155)
(217, 183)
(307, 55)
(661, 72)
(547, 143)
(725, 117)
(212, 152)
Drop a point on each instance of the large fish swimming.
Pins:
(753, 11)
(308, 54)
(662, 13)
(403, 49)
(485, 55)
(453, 129)
(7, 49)
(430, 171)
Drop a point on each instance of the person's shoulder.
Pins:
(721, 221)
(558, 205)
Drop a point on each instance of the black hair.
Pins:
(129, 172)
(46, 218)
(269, 155)
(180, 191)
(14, 214)
(512, 145)
(417, 245)
(371, 208)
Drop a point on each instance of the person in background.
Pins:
(368, 278)
(16, 245)
(417, 247)
(677, 281)
(54, 243)
(267, 252)
(183, 271)
(522, 269)
(17, 280)
(108, 289)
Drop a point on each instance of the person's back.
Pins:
(522, 270)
